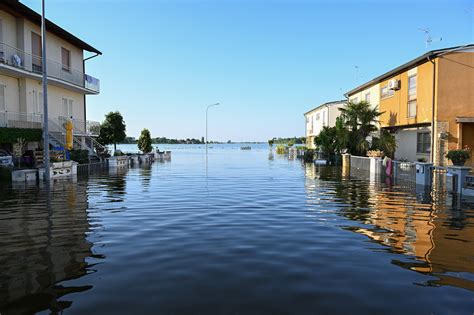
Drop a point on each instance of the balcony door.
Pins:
(37, 52)
(67, 108)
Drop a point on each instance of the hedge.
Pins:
(10, 135)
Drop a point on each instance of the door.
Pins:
(3, 105)
(36, 51)
(468, 140)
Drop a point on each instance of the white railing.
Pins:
(21, 120)
(88, 127)
(20, 59)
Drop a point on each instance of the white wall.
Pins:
(12, 99)
(55, 96)
(406, 144)
(374, 98)
(53, 46)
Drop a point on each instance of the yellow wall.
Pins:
(455, 91)
(395, 107)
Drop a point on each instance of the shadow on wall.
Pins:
(392, 121)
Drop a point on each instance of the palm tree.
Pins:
(361, 120)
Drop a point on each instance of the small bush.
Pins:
(308, 155)
(280, 149)
(458, 157)
(79, 156)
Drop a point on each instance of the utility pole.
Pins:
(207, 108)
(45, 96)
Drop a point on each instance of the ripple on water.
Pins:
(246, 235)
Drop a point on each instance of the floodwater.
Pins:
(251, 233)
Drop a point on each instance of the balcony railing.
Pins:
(90, 128)
(32, 120)
(20, 59)
(20, 120)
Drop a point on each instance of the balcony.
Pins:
(14, 60)
(31, 120)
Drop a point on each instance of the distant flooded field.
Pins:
(243, 232)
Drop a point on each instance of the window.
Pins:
(324, 119)
(367, 97)
(412, 96)
(67, 107)
(38, 102)
(412, 109)
(412, 87)
(36, 52)
(423, 142)
(66, 59)
(386, 92)
(317, 116)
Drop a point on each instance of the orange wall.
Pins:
(395, 107)
(455, 91)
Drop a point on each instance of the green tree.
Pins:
(112, 129)
(360, 120)
(325, 141)
(144, 142)
(386, 142)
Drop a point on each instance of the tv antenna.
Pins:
(428, 39)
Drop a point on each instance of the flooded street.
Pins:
(248, 232)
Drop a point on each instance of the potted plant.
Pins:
(458, 157)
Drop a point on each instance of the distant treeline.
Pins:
(164, 140)
(294, 140)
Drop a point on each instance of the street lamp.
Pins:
(45, 94)
(209, 106)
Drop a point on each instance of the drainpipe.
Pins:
(433, 110)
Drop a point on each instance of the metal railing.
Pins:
(80, 127)
(405, 171)
(21, 120)
(20, 59)
(360, 163)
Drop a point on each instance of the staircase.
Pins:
(57, 137)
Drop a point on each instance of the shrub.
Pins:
(80, 156)
(280, 149)
(308, 155)
(458, 157)
(144, 142)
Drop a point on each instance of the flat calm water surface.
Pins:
(250, 233)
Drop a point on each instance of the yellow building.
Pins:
(433, 92)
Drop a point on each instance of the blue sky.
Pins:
(267, 62)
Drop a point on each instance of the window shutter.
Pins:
(2, 98)
(65, 107)
(70, 108)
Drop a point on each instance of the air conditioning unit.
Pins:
(394, 84)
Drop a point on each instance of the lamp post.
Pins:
(209, 106)
(45, 95)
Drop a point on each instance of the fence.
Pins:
(404, 171)
(86, 169)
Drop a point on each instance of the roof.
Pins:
(15, 8)
(326, 104)
(413, 63)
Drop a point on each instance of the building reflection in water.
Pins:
(43, 237)
(431, 228)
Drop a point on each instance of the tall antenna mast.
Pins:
(428, 39)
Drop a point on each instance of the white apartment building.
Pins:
(319, 117)
(21, 96)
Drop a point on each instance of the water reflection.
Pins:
(43, 245)
(428, 227)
